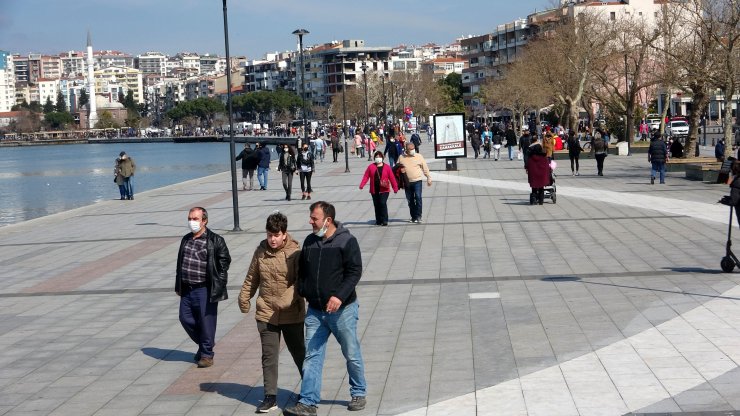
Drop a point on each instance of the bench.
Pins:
(708, 172)
(680, 164)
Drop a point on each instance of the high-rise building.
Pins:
(7, 82)
(152, 63)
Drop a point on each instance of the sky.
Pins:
(256, 27)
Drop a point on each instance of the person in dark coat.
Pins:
(306, 168)
(719, 150)
(735, 188)
(393, 150)
(263, 166)
(676, 149)
(475, 142)
(538, 170)
(574, 152)
(510, 140)
(657, 156)
(249, 160)
(524, 143)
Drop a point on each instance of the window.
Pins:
(399, 65)
(613, 16)
(411, 65)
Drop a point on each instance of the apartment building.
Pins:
(212, 64)
(152, 63)
(442, 66)
(108, 58)
(200, 87)
(7, 82)
(43, 89)
(270, 73)
(111, 80)
(73, 63)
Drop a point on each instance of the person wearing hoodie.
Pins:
(280, 311)
(329, 270)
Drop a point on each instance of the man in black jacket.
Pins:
(330, 268)
(524, 143)
(249, 160)
(510, 140)
(200, 280)
(657, 156)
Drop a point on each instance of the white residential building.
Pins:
(152, 63)
(7, 82)
(114, 79)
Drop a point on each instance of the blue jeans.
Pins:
(413, 196)
(198, 317)
(343, 324)
(128, 187)
(659, 167)
(262, 176)
(511, 152)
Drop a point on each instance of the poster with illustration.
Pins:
(449, 135)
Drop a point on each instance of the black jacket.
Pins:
(305, 161)
(574, 146)
(330, 267)
(524, 142)
(287, 163)
(249, 158)
(657, 151)
(510, 138)
(217, 268)
(735, 191)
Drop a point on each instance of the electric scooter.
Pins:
(729, 261)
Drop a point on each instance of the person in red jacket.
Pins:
(382, 180)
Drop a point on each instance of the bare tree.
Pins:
(629, 67)
(563, 59)
(517, 91)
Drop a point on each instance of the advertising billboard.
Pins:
(449, 135)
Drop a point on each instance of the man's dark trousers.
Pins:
(198, 317)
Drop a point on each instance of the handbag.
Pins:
(384, 183)
(341, 148)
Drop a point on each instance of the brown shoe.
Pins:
(205, 362)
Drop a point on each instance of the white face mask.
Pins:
(412, 152)
(321, 231)
(378, 160)
(194, 226)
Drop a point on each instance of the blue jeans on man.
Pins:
(658, 167)
(198, 317)
(262, 176)
(413, 196)
(128, 187)
(511, 152)
(343, 325)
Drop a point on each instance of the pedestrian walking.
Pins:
(359, 146)
(200, 280)
(497, 140)
(330, 268)
(486, 138)
(335, 147)
(599, 149)
(280, 310)
(393, 150)
(416, 141)
(548, 144)
(263, 166)
(644, 130)
(319, 147)
(127, 168)
(287, 165)
(524, 143)
(415, 168)
(430, 134)
(382, 181)
(249, 159)
(510, 140)
(475, 142)
(574, 152)
(657, 157)
(306, 168)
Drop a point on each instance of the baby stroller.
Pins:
(550, 188)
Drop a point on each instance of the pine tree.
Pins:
(84, 99)
(61, 104)
(48, 105)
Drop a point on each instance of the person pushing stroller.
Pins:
(538, 170)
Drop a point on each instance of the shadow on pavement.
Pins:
(693, 270)
(168, 355)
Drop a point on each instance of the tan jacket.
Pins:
(274, 272)
(416, 167)
(548, 143)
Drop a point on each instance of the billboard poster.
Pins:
(449, 135)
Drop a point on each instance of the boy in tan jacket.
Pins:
(274, 269)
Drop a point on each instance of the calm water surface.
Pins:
(40, 180)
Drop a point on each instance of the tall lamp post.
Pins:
(300, 33)
(385, 109)
(344, 120)
(232, 148)
(364, 68)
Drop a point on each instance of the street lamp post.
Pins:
(300, 33)
(344, 120)
(385, 109)
(232, 148)
(364, 68)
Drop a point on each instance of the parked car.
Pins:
(653, 123)
(677, 128)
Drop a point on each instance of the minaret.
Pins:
(93, 113)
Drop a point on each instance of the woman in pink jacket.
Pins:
(382, 180)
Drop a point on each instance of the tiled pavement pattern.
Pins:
(608, 303)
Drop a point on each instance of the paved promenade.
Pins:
(610, 302)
